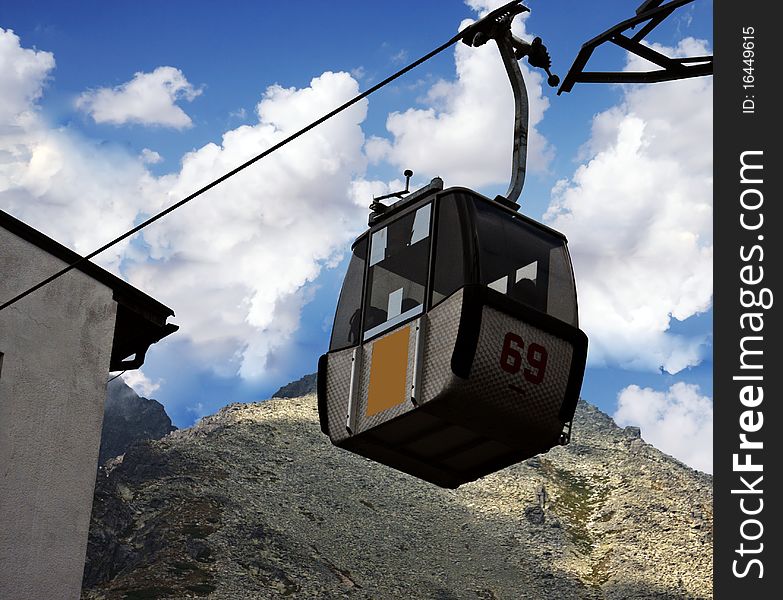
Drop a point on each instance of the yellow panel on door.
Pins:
(388, 372)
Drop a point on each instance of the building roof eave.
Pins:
(141, 320)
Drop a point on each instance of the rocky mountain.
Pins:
(128, 418)
(254, 502)
(297, 389)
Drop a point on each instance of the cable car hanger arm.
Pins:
(497, 25)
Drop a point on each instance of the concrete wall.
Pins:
(56, 345)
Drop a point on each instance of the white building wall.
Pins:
(56, 345)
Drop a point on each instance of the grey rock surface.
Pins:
(254, 502)
(296, 389)
(129, 418)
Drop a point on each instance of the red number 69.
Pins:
(511, 358)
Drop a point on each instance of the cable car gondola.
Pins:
(455, 349)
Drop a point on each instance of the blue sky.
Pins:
(110, 111)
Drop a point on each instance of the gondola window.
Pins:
(397, 275)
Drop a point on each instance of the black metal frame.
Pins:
(654, 12)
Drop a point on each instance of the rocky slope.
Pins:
(128, 418)
(254, 502)
(296, 389)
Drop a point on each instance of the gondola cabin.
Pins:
(455, 349)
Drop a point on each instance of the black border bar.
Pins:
(748, 252)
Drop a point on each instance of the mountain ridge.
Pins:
(129, 418)
(254, 502)
(301, 387)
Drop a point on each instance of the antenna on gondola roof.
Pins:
(377, 208)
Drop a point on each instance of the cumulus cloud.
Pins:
(236, 263)
(140, 383)
(147, 99)
(638, 216)
(464, 133)
(677, 421)
(23, 72)
(74, 190)
(150, 157)
(198, 410)
(80, 192)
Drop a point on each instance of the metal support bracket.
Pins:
(497, 26)
(654, 12)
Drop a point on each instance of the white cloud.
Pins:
(638, 216)
(236, 264)
(482, 7)
(677, 421)
(400, 57)
(147, 99)
(23, 73)
(150, 157)
(80, 192)
(140, 383)
(239, 114)
(464, 134)
(77, 191)
(199, 410)
(359, 72)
